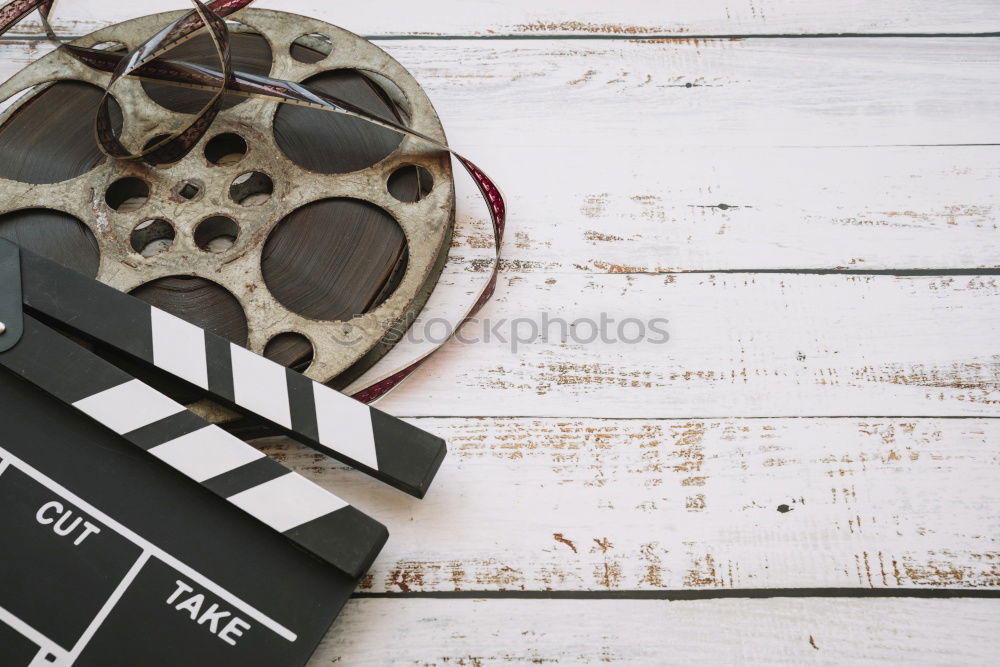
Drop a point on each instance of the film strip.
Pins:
(147, 62)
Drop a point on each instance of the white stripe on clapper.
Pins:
(259, 385)
(205, 453)
(287, 501)
(179, 347)
(128, 406)
(345, 425)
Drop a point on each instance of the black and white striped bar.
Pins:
(383, 446)
(306, 513)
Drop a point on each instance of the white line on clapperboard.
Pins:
(149, 549)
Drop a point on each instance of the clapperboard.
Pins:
(132, 532)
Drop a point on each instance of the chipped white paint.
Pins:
(649, 98)
(640, 96)
(744, 136)
(743, 344)
(485, 633)
(629, 17)
(693, 155)
(659, 209)
(868, 345)
(598, 505)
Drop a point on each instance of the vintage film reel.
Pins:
(309, 237)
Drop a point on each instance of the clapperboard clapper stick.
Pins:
(310, 516)
(363, 437)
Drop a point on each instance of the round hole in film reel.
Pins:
(304, 235)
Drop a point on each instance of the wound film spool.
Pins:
(303, 235)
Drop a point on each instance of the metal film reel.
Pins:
(321, 235)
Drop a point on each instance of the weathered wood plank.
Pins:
(694, 196)
(617, 156)
(714, 208)
(882, 345)
(740, 345)
(640, 94)
(629, 18)
(542, 95)
(795, 138)
(613, 505)
(481, 633)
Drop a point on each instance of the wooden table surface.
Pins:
(807, 471)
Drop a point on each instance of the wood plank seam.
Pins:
(585, 36)
(687, 594)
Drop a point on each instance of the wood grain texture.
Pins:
(718, 208)
(756, 345)
(482, 633)
(539, 96)
(754, 154)
(632, 165)
(759, 164)
(723, 185)
(626, 95)
(657, 504)
(629, 18)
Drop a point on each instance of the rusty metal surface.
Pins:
(427, 223)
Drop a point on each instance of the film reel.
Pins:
(304, 235)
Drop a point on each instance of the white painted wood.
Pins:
(621, 505)
(541, 96)
(483, 633)
(579, 203)
(740, 345)
(658, 209)
(637, 144)
(610, 160)
(628, 95)
(828, 153)
(628, 18)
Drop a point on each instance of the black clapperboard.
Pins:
(132, 532)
